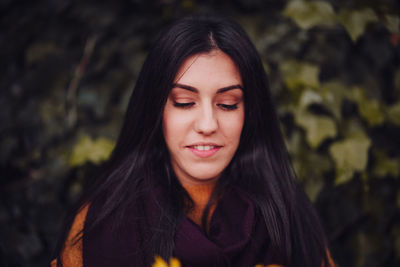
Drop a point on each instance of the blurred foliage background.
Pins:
(68, 68)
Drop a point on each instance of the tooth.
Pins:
(203, 147)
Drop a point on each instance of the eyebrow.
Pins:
(195, 90)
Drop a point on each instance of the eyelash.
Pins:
(183, 105)
(190, 104)
(228, 107)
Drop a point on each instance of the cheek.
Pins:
(232, 127)
(174, 125)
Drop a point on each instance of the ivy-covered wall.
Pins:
(68, 68)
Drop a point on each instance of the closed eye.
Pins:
(228, 107)
(183, 105)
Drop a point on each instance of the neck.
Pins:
(200, 194)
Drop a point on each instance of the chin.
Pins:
(204, 176)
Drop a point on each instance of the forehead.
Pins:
(214, 69)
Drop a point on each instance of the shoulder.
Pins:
(71, 254)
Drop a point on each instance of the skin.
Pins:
(204, 110)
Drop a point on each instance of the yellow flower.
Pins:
(174, 262)
(159, 262)
(269, 265)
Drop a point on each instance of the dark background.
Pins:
(68, 68)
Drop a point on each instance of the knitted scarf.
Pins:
(237, 236)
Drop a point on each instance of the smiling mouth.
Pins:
(204, 147)
(204, 151)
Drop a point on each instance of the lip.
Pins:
(204, 153)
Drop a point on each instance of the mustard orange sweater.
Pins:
(71, 255)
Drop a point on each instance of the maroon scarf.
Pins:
(237, 237)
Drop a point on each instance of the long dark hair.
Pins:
(261, 165)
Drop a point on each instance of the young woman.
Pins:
(200, 171)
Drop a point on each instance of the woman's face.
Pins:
(203, 117)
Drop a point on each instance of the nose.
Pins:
(206, 122)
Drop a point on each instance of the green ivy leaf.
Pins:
(392, 23)
(313, 187)
(308, 14)
(393, 114)
(300, 75)
(315, 165)
(370, 109)
(356, 21)
(332, 94)
(309, 165)
(385, 166)
(88, 150)
(372, 112)
(309, 97)
(317, 128)
(350, 155)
